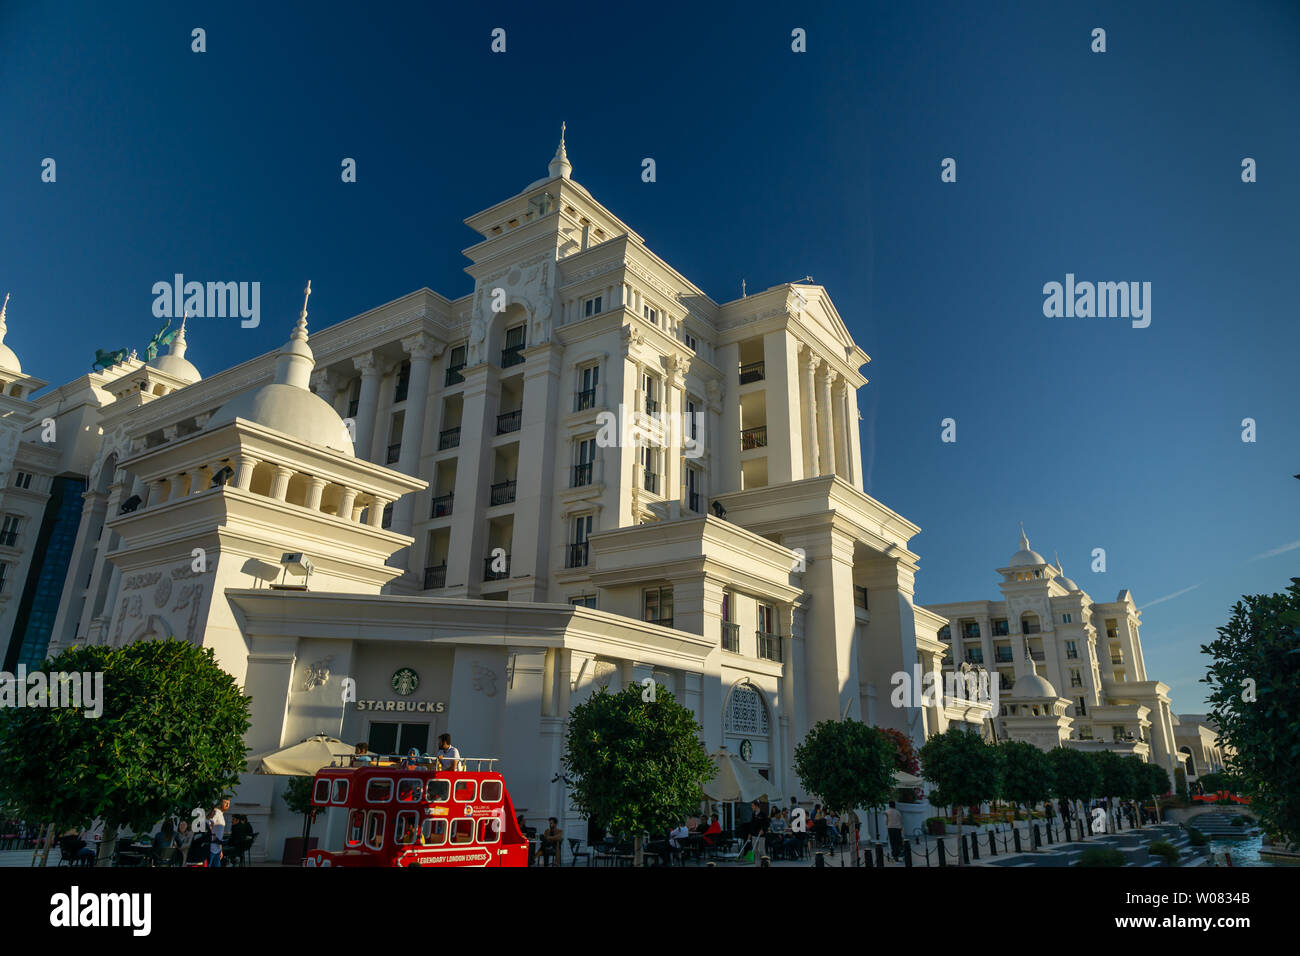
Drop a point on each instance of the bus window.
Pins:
(406, 830)
(340, 791)
(464, 791)
(490, 791)
(434, 831)
(437, 791)
(379, 790)
(489, 830)
(321, 791)
(409, 790)
(462, 830)
(375, 829)
(355, 821)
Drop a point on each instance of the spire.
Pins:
(1059, 569)
(177, 346)
(1024, 539)
(295, 364)
(560, 165)
(3, 328)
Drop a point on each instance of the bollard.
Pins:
(880, 855)
(820, 859)
(907, 854)
(1037, 837)
(974, 845)
(1015, 838)
(965, 854)
(943, 853)
(993, 843)
(1048, 828)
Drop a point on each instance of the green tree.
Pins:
(1075, 777)
(846, 764)
(1255, 699)
(1116, 779)
(637, 761)
(965, 770)
(1026, 774)
(169, 739)
(1157, 783)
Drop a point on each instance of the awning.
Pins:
(735, 781)
(302, 759)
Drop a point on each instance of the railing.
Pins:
(731, 637)
(1116, 660)
(769, 646)
(584, 399)
(651, 406)
(510, 422)
(577, 556)
(1030, 628)
(693, 502)
(512, 355)
(449, 438)
(581, 475)
(1038, 655)
(442, 505)
(435, 577)
(651, 482)
(1076, 681)
(753, 372)
(453, 375)
(503, 492)
(661, 621)
(490, 575)
(1004, 658)
(753, 438)
(1071, 655)
(1001, 630)
(394, 452)
(480, 764)
(971, 632)
(974, 658)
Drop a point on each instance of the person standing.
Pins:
(217, 827)
(894, 826)
(448, 756)
(759, 827)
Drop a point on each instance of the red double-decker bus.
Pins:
(405, 811)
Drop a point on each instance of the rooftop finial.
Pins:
(1024, 539)
(1057, 555)
(177, 345)
(560, 165)
(3, 309)
(300, 330)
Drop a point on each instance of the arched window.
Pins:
(746, 712)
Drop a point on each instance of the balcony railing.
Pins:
(581, 475)
(753, 438)
(693, 502)
(1001, 629)
(449, 438)
(1038, 655)
(510, 422)
(503, 492)
(974, 658)
(1004, 657)
(971, 632)
(651, 482)
(1072, 655)
(394, 452)
(577, 556)
(1076, 681)
(512, 355)
(731, 637)
(584, 399)
(453, 375)
(1116, 660)
(490, 575)
(753, 372)
(1030, 628)
(651, 406)
(769, 646)
(442, 505)
(435, 577)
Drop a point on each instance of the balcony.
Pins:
(512, 355)
(449, 438)
(435, 577)
(1004, 657)
(651, 405)
(769, 646)
(442, 505)
(751, 438)
(490, 575)
(1117, 661)
(394, 453)
(1038, 655)
(577, 555)
(510, 422)
(651, 482)
(503, 493)
(1001, 629)
(581, 475)
(974, 658)
(1030, 628)
(731, 637)
(584, 399)
(453, 375)
(753, 372)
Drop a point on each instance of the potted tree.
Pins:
(297, 797)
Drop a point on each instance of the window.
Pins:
(657, 606)
(689, 341)
(375, 829)
(945, 633)
(578, 549)
(1076, 679)
(1001, 627)
(408, 827)
(860, 597)
(386, 738)
(455, 363)
(650, 468)
(464, 792)
(1071, 650)
(356, 822)
(22, 479)
(692, 419)
(584, 600)
(512, 354)
(4, 573)
(588, 379)
(651, 314)
(693, 500)
(585, 463)
(379, 790)
(433, 832)
(462, 831)
(650, 386)
(409, 790)
(1067, 618)
(746, 713)
(340, 792)
(489, 830)
(321, 791)
(403, 382)
(354, 398)
(767, 619)
(490, 791)
(9, 531)
(437, 791)
(591, 306)
(970, 629)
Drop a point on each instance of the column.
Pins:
(727, 445)
(674, 406)
(423, 350)
(315, 490)
(244, 473)
(826, 420)
(784, 438)
(482, 399)
(202, 478)
(854, 470)
(280, 483)
(840, 424)
(347, 503)
(367, 404)
(812, 467)
(531, 551)
(375, 512)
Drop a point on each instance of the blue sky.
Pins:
(1122, 166)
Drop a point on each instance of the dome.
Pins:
(287, 405)
(8, 360)
(174, 363)
(1031, 685)
(1067, 584)
(1025, 557)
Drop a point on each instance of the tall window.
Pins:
(578, 543)
(591, 306)
(767, 619)
(692, 423)
(584, 462)
(657, 604)
(1067, 618)
(650, 386)
(4, 574)
(403, 382)
(693, 500)
(1071, 650)
(9, 531)
(650, 468)
(588, 379)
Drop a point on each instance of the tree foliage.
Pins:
(847, 764)
(1026, 773)
(1255, 699)
(1074, 774)
(905, 758)
(1116, 774)
(638, 764)
(170, 739)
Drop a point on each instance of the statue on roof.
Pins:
(161, 337)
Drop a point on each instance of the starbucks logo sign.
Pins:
(405, 681)
(746, 750)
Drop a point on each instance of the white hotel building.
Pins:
(475, 436)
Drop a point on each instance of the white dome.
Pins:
(8, 360)
(292, 410)
(177, 367)
(1025, 558)
(1031, 685)
(1067, 583)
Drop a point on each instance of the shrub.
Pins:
(1101, 856)
(1238, 821)
(1197, 837)
(1166, 850)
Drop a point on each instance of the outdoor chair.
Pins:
(68, 853)
(575, 850)
(167, 856)
(237, 853)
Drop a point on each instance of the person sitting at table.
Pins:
(184, 838)
(552, 842)
(241, 832)
(712, 832)
(362, 754)
(74, 847)
(165, 838)
(412, 759)
(677, 837)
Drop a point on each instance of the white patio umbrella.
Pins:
(904, 779)
(736, 781)
(302, 759)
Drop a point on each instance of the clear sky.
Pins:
(771, 165)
